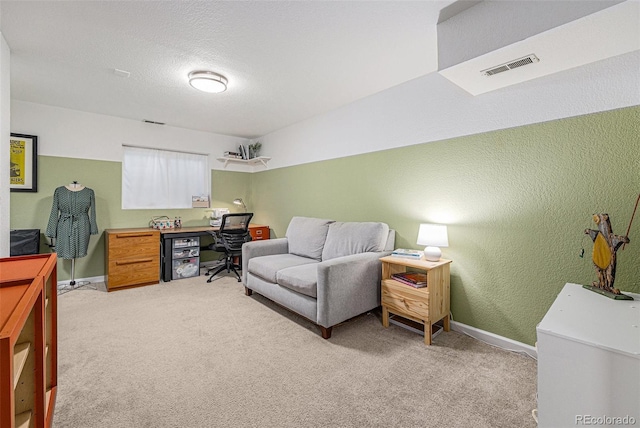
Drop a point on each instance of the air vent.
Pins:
(153, 122)
(529, 59)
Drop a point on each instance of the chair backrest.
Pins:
(236, 223)
(234, 231)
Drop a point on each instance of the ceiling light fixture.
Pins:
(208, 81)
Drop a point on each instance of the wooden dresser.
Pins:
(132, 257)
(28, 341)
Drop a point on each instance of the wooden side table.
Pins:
(425, 305)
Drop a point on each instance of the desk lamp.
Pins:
(433, 236)
(239, 201)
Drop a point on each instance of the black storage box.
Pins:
(25, 242)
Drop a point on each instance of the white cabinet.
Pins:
(589, 360)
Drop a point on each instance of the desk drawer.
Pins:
(133, 271)
(259, 233)
(405, 300)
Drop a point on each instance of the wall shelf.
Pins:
(255, 161)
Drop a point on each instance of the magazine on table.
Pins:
(414, 279)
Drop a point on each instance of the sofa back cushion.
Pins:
(306, 236)
(346, 238)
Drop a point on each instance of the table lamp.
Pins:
(433, 236)
(239, 201)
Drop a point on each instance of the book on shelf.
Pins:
(233, 155)
(244, 151)
(411, 254)
(413, 279)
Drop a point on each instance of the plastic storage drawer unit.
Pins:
(186, 268)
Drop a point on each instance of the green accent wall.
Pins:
(516, 202)
(32, 210)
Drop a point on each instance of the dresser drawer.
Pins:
(405, 300)
(125, 244)
(133, 271)
(259, 233)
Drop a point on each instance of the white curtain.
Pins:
(162, 179)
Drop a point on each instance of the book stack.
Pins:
(410, 254)
(234, 155)
(413, 279)
(244, 152)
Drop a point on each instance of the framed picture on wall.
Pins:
(24, 163)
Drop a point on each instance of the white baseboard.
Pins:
(495, 340)
(90, 280)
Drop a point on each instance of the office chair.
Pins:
(233, 232)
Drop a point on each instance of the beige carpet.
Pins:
(191, 354)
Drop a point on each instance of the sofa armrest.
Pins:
(266, 247)
(348, 286)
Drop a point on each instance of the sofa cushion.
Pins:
(346, 238)
(266, 267)
(302, 279)
(306, 236)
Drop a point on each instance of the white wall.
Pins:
(5, 113)
(75, 134)
(426, 109)
(431, 108)
(474, 32)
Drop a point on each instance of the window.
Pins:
(154, 178)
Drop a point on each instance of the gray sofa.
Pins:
(324, 270)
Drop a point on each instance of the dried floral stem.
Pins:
(631, 221)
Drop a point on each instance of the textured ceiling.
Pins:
(285, 61)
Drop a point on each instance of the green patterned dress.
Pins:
(72, 221)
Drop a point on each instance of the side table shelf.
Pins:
(255, 161)
(426, 305)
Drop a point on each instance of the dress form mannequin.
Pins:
(72, 221)
(74, 186)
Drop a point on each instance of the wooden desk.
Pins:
(143, 256)
(258, 232)
(201, 230)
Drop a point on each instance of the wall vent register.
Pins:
(529, 59)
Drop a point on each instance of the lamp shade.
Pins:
(433, 235)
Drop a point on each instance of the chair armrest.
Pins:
(266, 247)
(348, 286)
